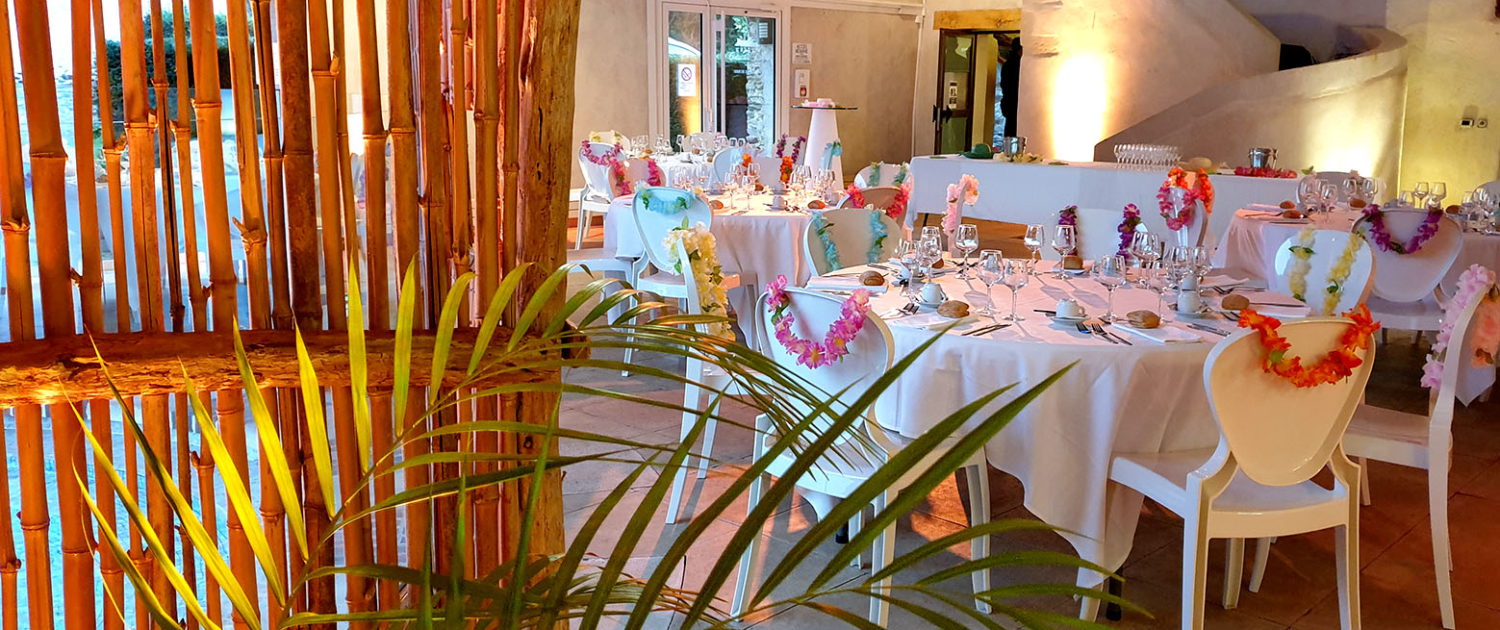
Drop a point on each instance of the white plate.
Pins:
(1204, 312)
(1068, 320)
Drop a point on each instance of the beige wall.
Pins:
(1336, 116)
(865, 60)
(610, 76)
(1094, 68)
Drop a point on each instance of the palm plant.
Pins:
(543, 591)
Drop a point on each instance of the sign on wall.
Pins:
(802, 83)
(802, 53)
(687, 80)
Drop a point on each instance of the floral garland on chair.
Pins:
(856, 196)
(703, 259)
(1375, 227)
(965, 191)
(878, 234)
(1201, 190)
(1476, 283)
(1128, 225)
(835, 343)
(620, 179)
(679, 204)
(1336, 366)
(1301, 265)
(898, 180)
(796, 146)
(1068, 216)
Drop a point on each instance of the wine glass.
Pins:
(1328, 194)
(967, 240)
(731, 186)
(1437, 194)
(991, 270)
(1064, 242)
(1015, 277)
(1036, 236)
(1109, 271)
(1307, 191)
(1419, 193)
(1159, 281)
(1146, 248)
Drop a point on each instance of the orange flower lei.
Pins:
(1339, 363)
(788, 164)
(745, 159)
(1202, 189)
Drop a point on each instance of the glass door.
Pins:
(746, 69)
(686, 84)
(955, 113)
(721, 70)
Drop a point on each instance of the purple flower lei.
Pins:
(1375, 217)
(1068, 216)
(1127, 228)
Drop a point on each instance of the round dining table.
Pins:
(1125, 392)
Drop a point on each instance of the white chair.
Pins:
(610, 137)
(1098, 232)
(665, 213)
(852, 235)
(836, 477)
(1328, 246)
(770, 168)
(1406, 293)
(1493, 188)
(597, 192)
(878, 198)
(1274, 437)
(882, 174)
(1419, 441)
(726, 161)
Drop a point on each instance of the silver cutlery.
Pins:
(984, 330)
(1100, 329)
(1087, 331)
(1207, 329)
(1283, 305)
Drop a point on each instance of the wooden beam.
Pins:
(978, 20)
(58, 370)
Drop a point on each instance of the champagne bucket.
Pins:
(1262, 157)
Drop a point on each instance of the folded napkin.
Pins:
(1263, 208)
(930, 321)
(843, 283)
(1164, 334)
(1224, 281)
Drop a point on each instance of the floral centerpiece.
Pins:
(1476, 283)
(1337, 365)
(835, 343)
(792, 149)
(1026, 157)
(1374, 227)
(788, 164)
(1128, 225)
(1200, 190)
(966, 191)
(703, 258)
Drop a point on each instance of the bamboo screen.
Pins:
(122, 261)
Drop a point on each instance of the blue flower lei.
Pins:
(877, 240)
(678, 205)
(830, 251)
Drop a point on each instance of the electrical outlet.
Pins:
(1482, 123)
(1466, 123)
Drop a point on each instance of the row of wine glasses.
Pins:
(1316, 193)
(1361, 188)
(994, 268)
(1426, 195)
(1147, 156)
(1479, 210)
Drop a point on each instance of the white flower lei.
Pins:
(703, 256)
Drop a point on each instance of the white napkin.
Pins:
(843, 283)
(1163, 334)
(1223, 281)
(1263, 208)
(930, 320)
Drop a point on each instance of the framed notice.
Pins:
(687, 80)
(802, 53)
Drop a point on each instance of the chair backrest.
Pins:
(1328, 246)
(770, 168)
(1098, 232)
(877, 197)
(882, 174)
(610, 137)
(725, 161)
(1412, 277)
(1278, 433)
(1493, 188)
(596, 176)
(870, 352)
(1191, 234)
(657, 211)
(852, 234)
(1457, 360)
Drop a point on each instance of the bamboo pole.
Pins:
(49, 190)
(17, 225)
(276, 229)
(164, 162)
(341, 134)
(109, 566)
(510, 502)
(486, 209)
(458, 134)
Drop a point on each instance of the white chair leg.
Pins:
(979, 513)
(1364, 481)
(856, 523)
(1437, 499)
(747, 559)
(1262, 555)
(691, 398)
(1234, 571)
(708, 447)
(885, 549)
(1346, 548)
(1088, 609)
(1194, 571)
(583, 225)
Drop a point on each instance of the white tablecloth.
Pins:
(1033, 193)
(1146, 397)
(757, 242)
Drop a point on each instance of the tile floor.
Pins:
(1299, 590)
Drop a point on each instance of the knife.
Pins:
(1207, 329)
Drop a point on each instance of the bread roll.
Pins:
(816, 204)
(872, 278)
(1235, 302)
(1288, 205)
(1144, 319)
(939, 264)
(1291, 214)
(715, 204)
(1072, 262)
(1453, 209)
(953, 309)
(1357, 203)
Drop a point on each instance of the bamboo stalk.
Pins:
(205, 467)
(301, 198)
(109, 567)
(252, 221)
(49, 190)
(486, 170)
(458, 134)
(276, 229)
(341, 134)
(510, 502)
(17, 225)
(164, 162)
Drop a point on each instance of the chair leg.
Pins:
(708, 445)
(747, 559)
(1346, 548)
(1088, 608)
(1234, 571)
(1194, 571)
(1437, 499)
(1262, 555)
(885, 549)
(856, 523)
(979, 513)
(583, 225)
(691, 397)
(1364, 480)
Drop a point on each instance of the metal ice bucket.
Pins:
(1262, 157)
(1013, 145)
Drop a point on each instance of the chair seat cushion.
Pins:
(671, 285)
(1388, 435)
(1163, 477)
(1421, 315)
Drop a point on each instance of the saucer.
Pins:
(1068, 320)
(1202, 312)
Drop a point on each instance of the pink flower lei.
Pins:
(1127, 228)
(967, 191)
(1201, 190)
(797, 144)
(835, 343)
(856, 196)
(1375, 227)
(1477, 283)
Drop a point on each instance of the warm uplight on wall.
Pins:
(1079, 95)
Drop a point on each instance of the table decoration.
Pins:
(980, 151)
(703, 259)
(1201, 190)
(1018, 158)
(898, 180)
(788, 164)
(1127, 228)
(1337, 365)
(833, 347)
(965, 191)
(1374, 227)
(1265, 171)
(795, 146)
(1476, 283)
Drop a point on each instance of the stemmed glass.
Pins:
(1064, 242)
(1036, 236)
(906, 252)
(1146, 248)
(1203, 262)
(731, 187)
(1015, 277)
(991, 270)
(1328, 194)
(1438, 193)
(1308, 190)
(929, 252)
(1420, 192)
(1110, 272)
(1159, 281)
(967, 240)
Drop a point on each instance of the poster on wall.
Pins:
(802, 53)
(802, 83)
(687, 80)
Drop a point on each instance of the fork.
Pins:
(1099, 330)
(1085, 330)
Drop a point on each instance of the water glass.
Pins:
(967, 240)
(1015, 277)
(1146, 248)
(1109, 271)
(1064, 242)
(991, 270)
(1036, 237)
(1438, 193)
(1419, 194)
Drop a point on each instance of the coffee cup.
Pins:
(778, 202)
(1071, 309)
(932, 293)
